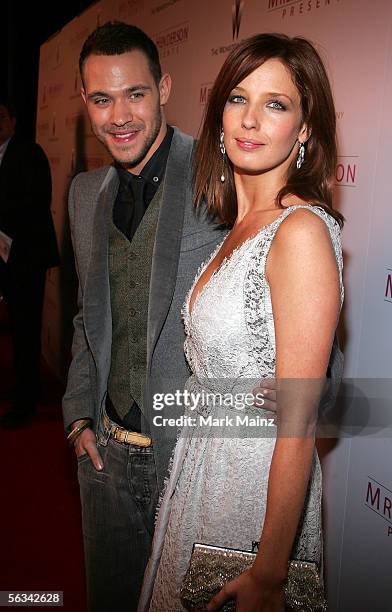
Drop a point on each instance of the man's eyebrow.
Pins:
(127, 91)
(139, 87)
(95, 94)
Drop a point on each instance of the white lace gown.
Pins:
(217, 489)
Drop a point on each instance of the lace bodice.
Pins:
(230, 329)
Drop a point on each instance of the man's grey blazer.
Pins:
(184, 238)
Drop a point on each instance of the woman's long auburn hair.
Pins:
(314, 181)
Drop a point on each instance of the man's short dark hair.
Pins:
(117, 37)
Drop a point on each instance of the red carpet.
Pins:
(41, 543)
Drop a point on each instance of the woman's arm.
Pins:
(304, 281)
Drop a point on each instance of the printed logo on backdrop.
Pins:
(55, 166)
(129, 8)
(44, 59)
(94, 161)
(161, 5)
(53, 130)
(346, 171)
(43, 98)
(50, 92)
(205, 90)
(295, 8)
(388, 286)
(57, 59)
(378, 498)
(76, 81)
(72, 120)
(81, 163)
(77, 40)
(171, 41)
(54, 161)
(237, 9)
(51, 56)
(42, 128)
(54, 90)
(76, 85)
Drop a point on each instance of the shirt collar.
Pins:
(3, 148)
(154, 169)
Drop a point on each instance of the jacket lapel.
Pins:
(98, 323)
(168, 236)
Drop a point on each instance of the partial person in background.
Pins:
(28, 248)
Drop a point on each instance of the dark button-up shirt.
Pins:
(137, 190)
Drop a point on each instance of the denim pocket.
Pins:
(83, 457)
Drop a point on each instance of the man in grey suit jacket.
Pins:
(138, 243)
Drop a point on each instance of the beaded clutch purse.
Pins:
(211, 567)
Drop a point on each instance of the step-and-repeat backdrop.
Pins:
(354, 37)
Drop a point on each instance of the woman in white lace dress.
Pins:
(266, 304)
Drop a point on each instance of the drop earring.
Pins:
(223, 151)
(301, 155)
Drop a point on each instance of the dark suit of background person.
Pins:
(25, 197)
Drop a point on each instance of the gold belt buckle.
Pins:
(124, 436)
(115, 432)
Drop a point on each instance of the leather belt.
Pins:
(124, 436)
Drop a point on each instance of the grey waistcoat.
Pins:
(129, 277)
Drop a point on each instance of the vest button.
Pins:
(132, 284)
(132, 255)
(132, 312)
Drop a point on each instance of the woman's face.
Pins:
(262, 121)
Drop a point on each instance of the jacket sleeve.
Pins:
(334, 379)
(79, 398)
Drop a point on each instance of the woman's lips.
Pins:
(248, 145)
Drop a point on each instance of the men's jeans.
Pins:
(118, 511)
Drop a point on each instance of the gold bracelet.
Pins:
(81, 422)
(76, 431)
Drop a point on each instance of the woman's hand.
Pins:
(251, 595)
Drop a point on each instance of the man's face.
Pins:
(7, 125)
(124, 105)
